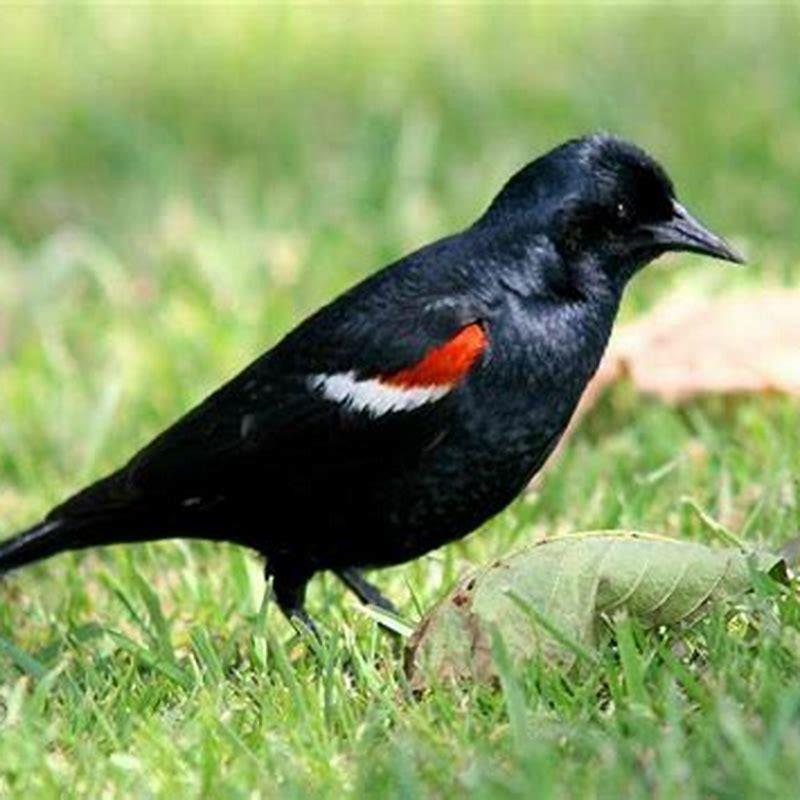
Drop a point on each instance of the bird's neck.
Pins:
(584, 279)
(528, 263)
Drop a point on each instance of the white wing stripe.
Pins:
(373, 396)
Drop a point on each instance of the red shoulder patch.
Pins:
(443, 365)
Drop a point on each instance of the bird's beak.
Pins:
(684, 232)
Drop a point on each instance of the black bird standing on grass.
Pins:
(415, 406)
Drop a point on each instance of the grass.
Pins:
(177, 188)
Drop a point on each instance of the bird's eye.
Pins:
(622, 212)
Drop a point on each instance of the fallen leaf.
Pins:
(748, 342)
(549, 600)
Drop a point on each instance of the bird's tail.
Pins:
(52, 536)
(107, 513)
(97, 515)
(56, 535)
(42, 540)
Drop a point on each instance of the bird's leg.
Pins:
(367, 593)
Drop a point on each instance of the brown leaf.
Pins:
(748, 342)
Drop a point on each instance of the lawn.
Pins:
(178, 187)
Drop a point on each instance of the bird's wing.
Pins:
(336, 394)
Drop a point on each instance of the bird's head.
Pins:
(606, 203)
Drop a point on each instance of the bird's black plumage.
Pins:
(415, 406)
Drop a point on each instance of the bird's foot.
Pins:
(289, 590)
(302, 622)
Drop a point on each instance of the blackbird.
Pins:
(415, 406)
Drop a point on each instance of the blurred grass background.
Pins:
(179, 185)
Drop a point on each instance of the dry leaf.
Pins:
(748, 342)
